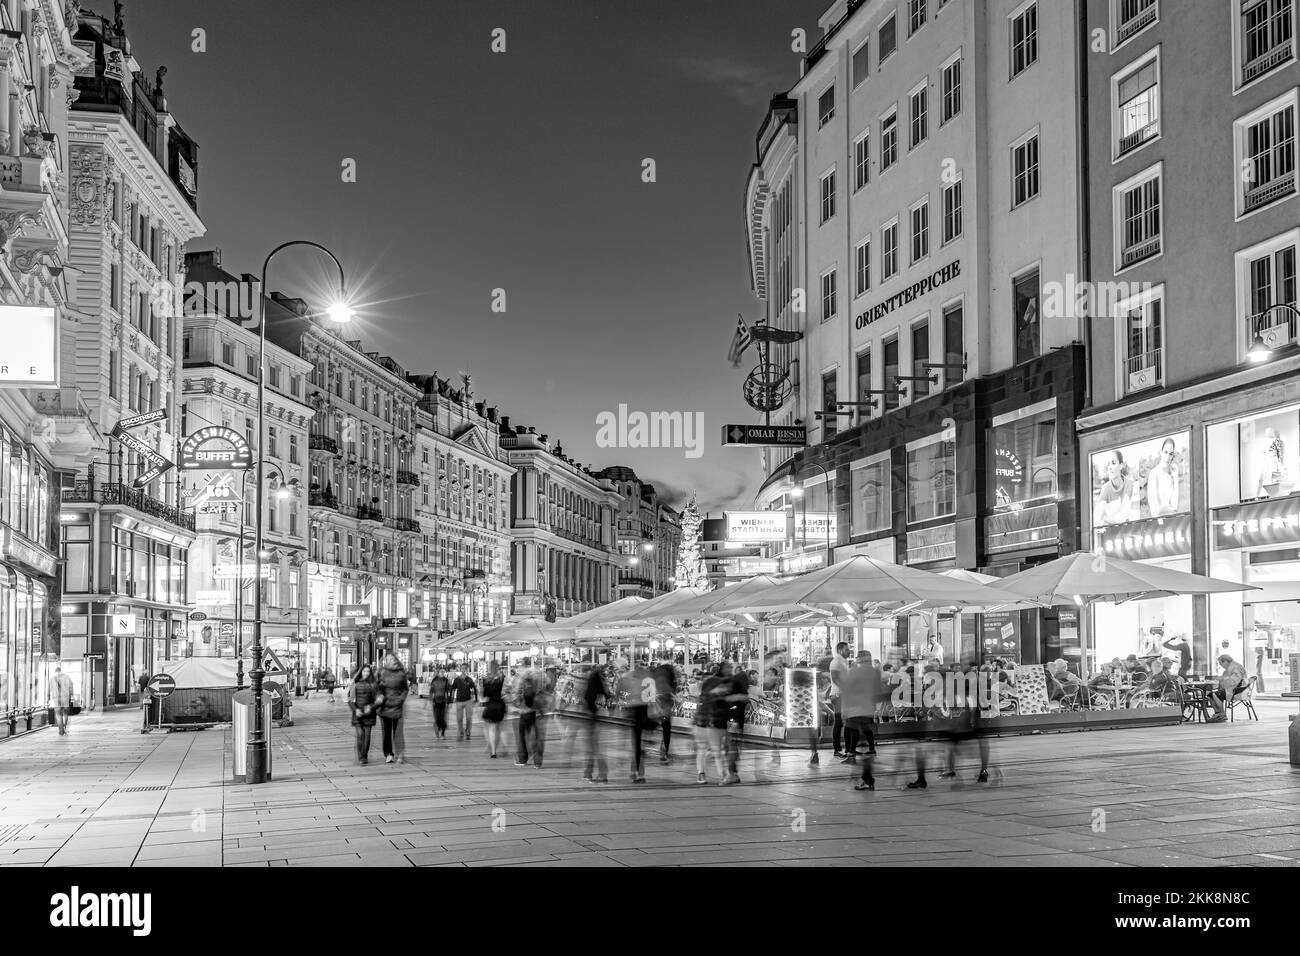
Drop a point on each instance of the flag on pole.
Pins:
(740, 342)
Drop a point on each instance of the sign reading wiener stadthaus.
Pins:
(917, 289)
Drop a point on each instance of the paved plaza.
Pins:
(106, 795)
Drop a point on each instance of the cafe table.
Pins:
(1197, 699)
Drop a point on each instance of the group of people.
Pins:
(1159, 676)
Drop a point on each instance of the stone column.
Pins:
(15, 126)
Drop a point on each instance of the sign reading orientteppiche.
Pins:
(785, 436)
(215, 447)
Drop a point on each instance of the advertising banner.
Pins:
(29, 340)
(752, 526)
(1147, 479)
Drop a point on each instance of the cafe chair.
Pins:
(1244, 699)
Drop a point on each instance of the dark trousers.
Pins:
(529, 727)
(390, 731)
(855, 728)
(640, 724)
(596, 767)
(734, 743)
(363, 740)
(440, 717)
(954, 744)
(837, 729)
(666, 723)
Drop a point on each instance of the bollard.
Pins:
(1293, 737)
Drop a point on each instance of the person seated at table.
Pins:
(1232, 681)
(1165, 681)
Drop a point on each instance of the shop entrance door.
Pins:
(1271, 630)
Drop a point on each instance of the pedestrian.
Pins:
(526, 692)
(965, 726)
(393, 687)
(737, 705)
(639, 690)
(62, 699)
(861, 692)
(327, 677)
(364, 698)
(494, 707)
(594, 691)
(439, 695)
(711, 725)
(665, 676)
(465, 694)
(146, 698)
(839, 665)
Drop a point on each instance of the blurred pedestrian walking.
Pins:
(861, 693)
(439, 697)
(465, 693)
(527, 691)
(738, 701)
(711, 712)
(62, 699)
(494, 707)
(665, 675)
(594, 692)
(394, 688)
(639, 690)
(364, 698)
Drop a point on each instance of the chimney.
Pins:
(531, 430)
(479, 409)
(541, 436)
(492, 413)
(521, 430)
(505, 423)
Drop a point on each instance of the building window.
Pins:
(187, 342)
(887, 39)
(1266, 31)
(860, 65)
(273, 376)
(889, 380)
(1024, 40)
(293, 449)
(830, 423)
(227, 353)
(889, 251)
(114, 372)
(1137, 218)
(863, 362)
(250, 361)
(828, 197)
(861, 161)
(1024, 171)
(915, 16)
(862, 267)
(270, 442)
(295, 385)
(1022, 457)
(950, 91)
(115, 287)
(1266, 277)
(920, 115)
(931, 479)
(920, 359)
(293, 589)
(1266, 147)
(1132, 17)
(954, 346)
(869, 490)
(830, 305)
(1136, 95)
(888, 140)
(826, 107)
(1141, 329)
(920, 216)
(1025, 304)
(951, 212)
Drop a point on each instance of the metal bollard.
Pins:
(1293, 738)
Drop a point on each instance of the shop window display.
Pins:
(931, 480)
(1023, 459)
(1147, 479)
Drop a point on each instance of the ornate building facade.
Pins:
(648, 532)
(133, 195)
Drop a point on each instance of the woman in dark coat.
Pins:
(494, 706)
(394, 688)
(364, 698)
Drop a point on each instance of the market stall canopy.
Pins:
(1083, 577)
(864, 586)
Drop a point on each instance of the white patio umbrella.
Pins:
(975, 577)
(1084, 577)
(641, 621)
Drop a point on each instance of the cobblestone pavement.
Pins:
(106, 795)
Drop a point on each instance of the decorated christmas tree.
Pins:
(690, 563)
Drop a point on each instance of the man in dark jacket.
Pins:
(439, 696)
(364, 699)
(639, 688)
(463, 689)
(593, 693)
(737, 702)
(394, 688)
(665, 676)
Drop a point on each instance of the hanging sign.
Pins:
(215, 447)
(144, 418)
(755, 526)
(29, 346)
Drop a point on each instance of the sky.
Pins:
(518, 171)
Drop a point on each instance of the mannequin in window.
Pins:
(1272, 466)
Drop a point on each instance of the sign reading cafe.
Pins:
(215, 447)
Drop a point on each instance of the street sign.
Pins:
(161, 685)
(226, 572)
(198, 616)
(227, 629)
(354, 613)
(220, 490)
(783, 436)
(196, 450)
(145, 418)
(123, 625)
(140, 447)
(272, 664)
(155, 472)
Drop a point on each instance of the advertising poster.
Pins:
(1147, 479)
(1270, 455)
(1001, 635)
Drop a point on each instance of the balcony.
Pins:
(1137, 21)
(407, 478)
(402, 524)
(1266, 61)
(115, 493)
(318, 499)
(1280, 333)
(367, 513)
(1135, 253)
(1144, 371)
(1139, 136)
(1271, 191)
(323, 443)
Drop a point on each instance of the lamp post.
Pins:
(1259, 349)
(282, 492)
(338, 312)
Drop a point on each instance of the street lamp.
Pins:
(1259, 349)
(283, 492)
(256, 769)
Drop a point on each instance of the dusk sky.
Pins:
(518, 170)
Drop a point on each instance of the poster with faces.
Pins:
(1270, 455)
(1147, 479)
